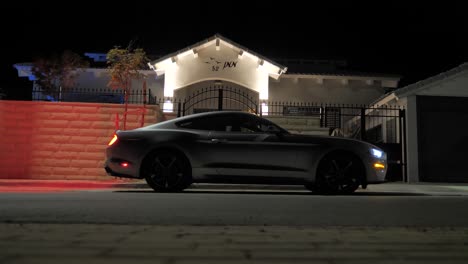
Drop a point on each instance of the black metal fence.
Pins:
(380, 122)
(115, 96)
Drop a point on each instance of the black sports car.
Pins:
(238, 147)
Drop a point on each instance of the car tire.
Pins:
(338, 173)
(167, 171)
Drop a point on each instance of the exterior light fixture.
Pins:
(260, 64)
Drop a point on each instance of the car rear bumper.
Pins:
(113, 168)
(110, 172)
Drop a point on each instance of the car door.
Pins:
(243, 149)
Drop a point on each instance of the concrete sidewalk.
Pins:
(90, 243)
(21, 185)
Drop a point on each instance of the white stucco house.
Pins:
(218, 60)
(436, 125)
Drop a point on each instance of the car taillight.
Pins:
(113, 140)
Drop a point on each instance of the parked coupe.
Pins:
(238, 147)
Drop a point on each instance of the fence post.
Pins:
(220, 99)
(325, 119)
(178, 108)
(403, 142)
(183, 108)
(144, 108)
(363, 124)
(321, 116)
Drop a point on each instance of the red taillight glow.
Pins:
(113, 140)
(124, 164)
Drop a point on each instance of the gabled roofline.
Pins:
(439, 77)
(218, 36)
(407, 90)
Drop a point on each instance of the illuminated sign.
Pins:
(217, 65)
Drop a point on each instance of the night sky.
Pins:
(412, 41)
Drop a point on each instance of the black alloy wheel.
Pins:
(167, 171)
(339, 173)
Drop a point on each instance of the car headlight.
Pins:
(377, 153)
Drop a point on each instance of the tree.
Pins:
(55, 73)
(125, 65)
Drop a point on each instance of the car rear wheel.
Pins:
(167, 171)
(338, 173)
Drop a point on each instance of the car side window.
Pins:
(199, 124)
(250, 125)
(230, 123)
(257, 125)
(216, 123)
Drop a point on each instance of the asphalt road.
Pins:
(220, 207)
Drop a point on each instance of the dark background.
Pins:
(414, 41)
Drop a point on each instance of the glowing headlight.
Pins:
(376, 153)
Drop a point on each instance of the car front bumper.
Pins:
(373, 174)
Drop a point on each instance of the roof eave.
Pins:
(282, 68)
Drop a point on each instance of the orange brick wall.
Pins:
(47, 140)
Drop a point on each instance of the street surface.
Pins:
(385, 224)
(223, 207)
(76, 243)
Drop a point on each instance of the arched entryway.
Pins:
(217, 95)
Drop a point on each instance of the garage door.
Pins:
(443, 138)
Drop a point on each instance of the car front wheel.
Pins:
(167, 171)
(338, 173)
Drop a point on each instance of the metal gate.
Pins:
(218, 99)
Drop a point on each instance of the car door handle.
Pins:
(219, 140)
